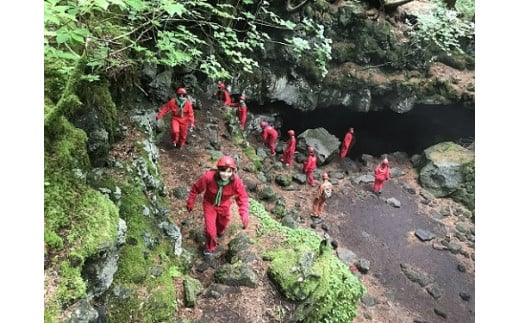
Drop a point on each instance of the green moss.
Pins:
(329, 291)
(97, 99)
(152, 298)
(71, 286)
(251, 154)
(160, 305)
(336, 295)
(465, 194)
(123, 303)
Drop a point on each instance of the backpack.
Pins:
(327, 192)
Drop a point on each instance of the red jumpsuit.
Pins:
(269, 136)
(346, 144)
(382, 173)
(242, 114)
(217, 217)
(181, 119)
(224, 94)
(308, 167)
(288, 153)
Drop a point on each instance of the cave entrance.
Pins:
(383, 132)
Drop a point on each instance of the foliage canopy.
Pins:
(217, 38)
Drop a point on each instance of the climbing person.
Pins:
(242, 112)
(183, 118)
(323, 193)
(269, 136)
(347, 140)
(382, 173)
(310, 165)
(288, 153)
(223, 94)
(219, 185)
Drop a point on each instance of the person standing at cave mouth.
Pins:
(347, 141)
(269, 136)
(288, 153)
(382, 174)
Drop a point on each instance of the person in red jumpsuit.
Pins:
(381, 173)
(288, 153)
(223, 93)
(310, 165)
(219, 185)
(242, 112)
(346, 142)
(183, 118)
(269, 136)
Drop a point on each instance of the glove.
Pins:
(191, 128)
(189, 207)
(245, 223)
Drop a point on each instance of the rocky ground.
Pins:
(408, 279)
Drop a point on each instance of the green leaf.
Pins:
(175, 9)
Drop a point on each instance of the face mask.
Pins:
(225, 174)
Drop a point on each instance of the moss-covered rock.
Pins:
(449, 170)
(307, 271)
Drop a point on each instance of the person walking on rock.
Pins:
(269, 136)
(345, 145)
(323, 193)
(223, 94)
(219, 185)
(310, 165)
(381, 173)
(183, 118)
(288, 153)
(242, 112)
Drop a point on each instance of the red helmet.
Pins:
(310, 149)
(325, 176)
(385, 161)
(243, 97)
(291, 132)
(226, 161)
(181, 90)
(263, 124)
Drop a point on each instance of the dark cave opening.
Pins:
(383, 132)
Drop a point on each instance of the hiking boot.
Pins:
(317, 220)
(220, 235)
(174, 144)
(207, 253)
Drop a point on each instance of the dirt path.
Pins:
(356, 218)
(385, 236)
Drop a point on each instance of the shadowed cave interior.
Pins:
(381, 132)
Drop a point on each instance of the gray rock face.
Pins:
(82, 312)
(295, 93)
(99, 270)
(442, 173)
(325, 144)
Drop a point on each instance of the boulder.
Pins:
(325, 144)
(444, 168)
